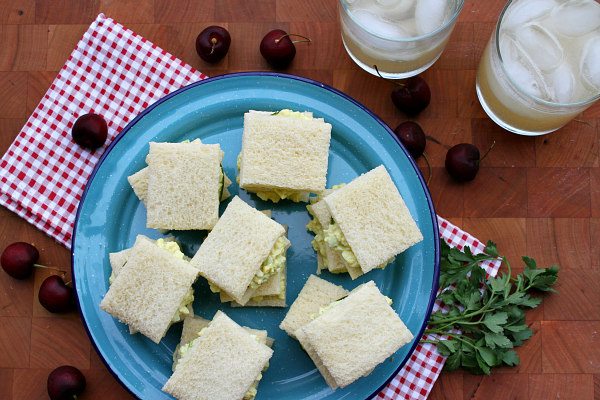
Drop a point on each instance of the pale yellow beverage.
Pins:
(401, 37)
(541, 67)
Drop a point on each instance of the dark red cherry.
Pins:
(412, 95)
(462, 162)
(212, 44)
(412, 137)
(18, 259)
(55, 295)
(65, 383)
(90, 131)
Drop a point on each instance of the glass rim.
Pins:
(496, 34)
(449, 22)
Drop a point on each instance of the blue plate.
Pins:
(110, 216)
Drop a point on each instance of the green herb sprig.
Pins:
(485, 316)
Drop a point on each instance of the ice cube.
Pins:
(378, 25)
(523, 12)
(590, 63)
(576, 17)
(430, 15)
(561, 82)
(541, 45)
(521, 69)
(396, 9)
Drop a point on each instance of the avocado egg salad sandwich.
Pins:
(244, 257)
(284, 155)
(192, 328)
(150, 287)
(224, 362)
(182, 185)
(349, 337)
(362, 225)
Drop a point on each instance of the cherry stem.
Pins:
(306, 39)
(488, 151)
(214, 43)
(387, 79)
(428, 168)
(45, 267)
(68, 283)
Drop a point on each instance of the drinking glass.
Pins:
(541, 67)
(401, 37)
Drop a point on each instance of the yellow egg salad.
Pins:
(273, 263)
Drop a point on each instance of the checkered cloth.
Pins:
(112, 72)
(117, 73)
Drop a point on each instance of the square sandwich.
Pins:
(192, 328)
(244, 251)
(349, 338)
(182, 185)
(365, 223)
(151, 290)
(139, 181)
(284, 155)
(225, 362)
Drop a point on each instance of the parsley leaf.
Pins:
(489, 312)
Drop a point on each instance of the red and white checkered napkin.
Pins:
(416, 379)
(112, 72)
(116, 73)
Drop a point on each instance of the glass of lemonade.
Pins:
(541, 68)
(401, 37)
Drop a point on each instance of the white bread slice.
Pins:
(374, 218)
(139, 180)
(234, 250)
(149, 289)
(363, 322)
(117, 260)
(284, 152)
(183, 181)
(194, 324)
(139, 184)
(271, 301)
(307, 346)
(315, 294)
(221, 365)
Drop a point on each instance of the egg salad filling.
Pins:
(318, 242)
(276, 195)
(272, 264)
(334, 237)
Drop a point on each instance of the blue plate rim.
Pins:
(436, 267)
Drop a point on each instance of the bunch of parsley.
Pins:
(484, 319)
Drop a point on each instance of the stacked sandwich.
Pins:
(151, 287)
(244, 257)
(284, 155)
(327, 321)
(176, 199)
(222, 345)
(362, 225)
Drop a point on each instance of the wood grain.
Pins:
(534, 196)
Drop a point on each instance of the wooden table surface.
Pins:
(534, 196)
